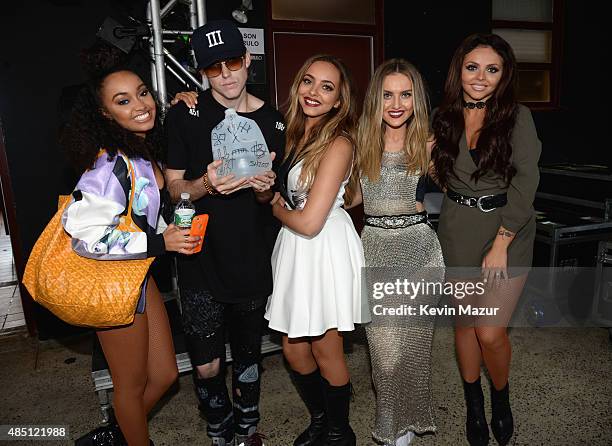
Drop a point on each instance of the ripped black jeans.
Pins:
(205, 324)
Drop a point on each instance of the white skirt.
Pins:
(317, 281)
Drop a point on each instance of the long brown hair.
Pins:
(500, 117)
(340, 121)
(371, 129)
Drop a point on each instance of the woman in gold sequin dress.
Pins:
(392, 157)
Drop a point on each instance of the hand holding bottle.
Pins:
(177, 237)
(224, 185)
(179, 240)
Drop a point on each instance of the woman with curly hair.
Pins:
(486, 159)
(113, 131)
(317, 258)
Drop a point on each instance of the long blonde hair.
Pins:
(340, 121)
(371, 130)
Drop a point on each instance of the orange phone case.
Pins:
(198, 228)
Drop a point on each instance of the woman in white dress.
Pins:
(318, 255)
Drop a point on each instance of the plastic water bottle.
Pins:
(238, 141)
(184, 212)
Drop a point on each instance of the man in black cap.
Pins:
(226, 286)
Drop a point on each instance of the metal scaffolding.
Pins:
(162, 59)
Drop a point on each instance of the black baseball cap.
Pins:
(217, 40)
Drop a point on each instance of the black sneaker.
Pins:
(220, 441)
(254, 439)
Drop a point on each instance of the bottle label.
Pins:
(183, 217)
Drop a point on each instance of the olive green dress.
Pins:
(466, 234)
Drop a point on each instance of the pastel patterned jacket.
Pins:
(101, 198)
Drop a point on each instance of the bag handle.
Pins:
(128, 218)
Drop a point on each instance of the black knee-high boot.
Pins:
(310, 388)
(337, 406)
(476, 428)
(502, 423)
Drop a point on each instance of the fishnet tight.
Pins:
(143, 365)
(475, 341)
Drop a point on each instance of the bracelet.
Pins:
(209, 187)
(505, 233)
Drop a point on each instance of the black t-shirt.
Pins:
(234, 264)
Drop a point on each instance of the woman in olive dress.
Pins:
(485, 157)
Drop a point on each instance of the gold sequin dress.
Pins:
(400, 347)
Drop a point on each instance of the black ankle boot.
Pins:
(109, 435)
(476, 428)
(502, 423)
(310, 388)
(337, 405)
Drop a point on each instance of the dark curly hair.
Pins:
(494, 139)
(87, 130)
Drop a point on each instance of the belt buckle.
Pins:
(479, 203)
(469, 201)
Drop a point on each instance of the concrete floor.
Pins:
(561, 391)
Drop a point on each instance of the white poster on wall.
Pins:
(253, 40)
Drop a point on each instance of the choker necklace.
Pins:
(472, 105)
